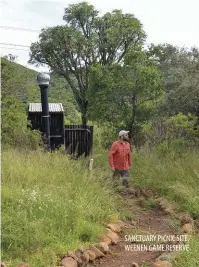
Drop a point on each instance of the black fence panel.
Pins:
(78, 139)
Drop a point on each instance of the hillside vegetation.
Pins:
(52, 204)
(103, 76)
(21, 83)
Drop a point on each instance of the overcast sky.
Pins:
(165, 21)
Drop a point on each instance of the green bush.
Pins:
(173, 133)
(14, 132)
(104, 135)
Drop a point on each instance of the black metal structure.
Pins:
(43, 81)
(56, 122)
(45, 114)
(79, 139)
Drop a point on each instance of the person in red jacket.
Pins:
(120, 158)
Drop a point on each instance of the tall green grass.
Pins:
(189, 258)
(173, 176)
(50, 204)
(176, 177)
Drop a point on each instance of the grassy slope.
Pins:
(174, 177)
(51, 204)
(177, 178)
(19, 81)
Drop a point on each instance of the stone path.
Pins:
(145, 222)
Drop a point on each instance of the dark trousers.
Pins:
(121, 173)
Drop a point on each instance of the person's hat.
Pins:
(123, 132)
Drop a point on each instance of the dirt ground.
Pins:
(150, 221)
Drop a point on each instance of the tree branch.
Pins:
(146, 100)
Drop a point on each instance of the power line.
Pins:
(15, 45)
(14, 48)
(18, 29)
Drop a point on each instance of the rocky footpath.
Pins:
(110, 250)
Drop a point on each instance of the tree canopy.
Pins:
(126, 94)
(180, 69)
(85, 40)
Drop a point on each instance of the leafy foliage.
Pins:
(14, 130)
(86, 40)
(19, 88)
(11, 57)
(178, 132)
(100, 61)
(19, 81)
(125, 95)
(180, 68)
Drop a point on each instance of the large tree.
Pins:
(125, 95)
(85, 40)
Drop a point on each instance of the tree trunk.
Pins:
(134, 104)
(84, 119)
(133, 119)
(134, 107)
(198, 114)
(84, 112)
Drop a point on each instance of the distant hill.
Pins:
(21, 82)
